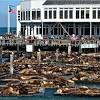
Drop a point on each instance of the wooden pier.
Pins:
(80, 43)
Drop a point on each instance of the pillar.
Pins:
(32, 31)
(90, 29)
(69, 49)
(35, 33)
(11, 63)
(57, 54)
(26, 32)
(39, 56)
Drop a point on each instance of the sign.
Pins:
(89, 46)
(29, 48)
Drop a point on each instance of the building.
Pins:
(58, 18)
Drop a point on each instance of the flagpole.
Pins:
(8, 21)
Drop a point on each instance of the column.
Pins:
(83, 30)
(58, 13)
(32, 31)
(42, 28)
(79, 30)
(99, 30)
(39, 56)
(35, 33)
(90, 29)
(11, 63)
(74, 28)
(57, 54)
(39, 30)
(26, 32)
(69, 49)
(95, 31)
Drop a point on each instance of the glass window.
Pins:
(28, 15)
(54, 14)
(23, 15)
(33, 15)
(45, 14)
(87, 31)
(94, 14)
(38, 15)
(55, 31)
(70, 14)
(61, 13)
(77, 14)
(97, 30)
(66, 14)
(93, 31)
(87, 14)
(82, 33)
(50, 13)
(18, 15)
(77, 31)
(82, 14)
(98, 14)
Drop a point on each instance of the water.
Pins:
(49, 98)
(3, 30)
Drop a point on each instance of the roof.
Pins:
(63, 2)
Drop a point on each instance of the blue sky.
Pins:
(4, 12)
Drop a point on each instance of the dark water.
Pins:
(3, 30)
(49, 96)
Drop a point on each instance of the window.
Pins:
(87, 14)
(97, 30)
(98, 14)
(23, 15)
(93, 31)
(18, 15)
(50, 14)
(82, 14)
(94, 14)
(77, 14)
(54, 14)
(38, 15)
(45, 14)
(55, 31)
(61, 13)
(70, 14)
(26, 15)
(34, 15)
(66, 14)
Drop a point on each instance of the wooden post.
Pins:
(39, 56)
(69, 49)
(57, 54)
(11, 63)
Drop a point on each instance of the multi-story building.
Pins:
(57, 18)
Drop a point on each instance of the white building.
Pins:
(57, 18)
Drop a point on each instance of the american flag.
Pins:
(12, 9)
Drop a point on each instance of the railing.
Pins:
(44, 42)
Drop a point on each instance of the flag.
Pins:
(12, 9)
